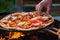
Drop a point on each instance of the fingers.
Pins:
(48, 9)
(38, 9)
(43, 4)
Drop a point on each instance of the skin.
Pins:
(44, 4)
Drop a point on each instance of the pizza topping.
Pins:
(25, 27)
(36, 19)
(5, 22)
(10, 22)
(18, 21)
(45, 17)
(33, 20)
(21, 23)
(13, 25)
(20, 16)
(28, 27)
(42, 24)
(14, 18)
(35, 24)
(27, 23)
(35, 14)
(51, 20)
(25, 13)
(30, 15)
(26, 20)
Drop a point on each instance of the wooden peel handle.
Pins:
(51, 31)
(56, 33)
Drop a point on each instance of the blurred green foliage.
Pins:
(6, 5)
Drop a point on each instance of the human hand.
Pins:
(44, 4)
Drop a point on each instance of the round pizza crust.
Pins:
(17, 28)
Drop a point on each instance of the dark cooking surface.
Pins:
(42, 36)
(35, 36)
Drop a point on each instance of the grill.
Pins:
(44, 34)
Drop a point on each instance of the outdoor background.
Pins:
(6, 5)
(18, 5)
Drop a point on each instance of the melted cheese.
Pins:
(45, 17)
(14, 18)
(21, 23)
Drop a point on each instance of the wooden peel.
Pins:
(56, 33)
(51, 31)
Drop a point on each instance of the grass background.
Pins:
(6, 5)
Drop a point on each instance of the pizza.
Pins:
(26, 21)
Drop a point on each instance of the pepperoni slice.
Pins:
(5, 22)
(35, 24)
(36, 19)
(42, 24)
